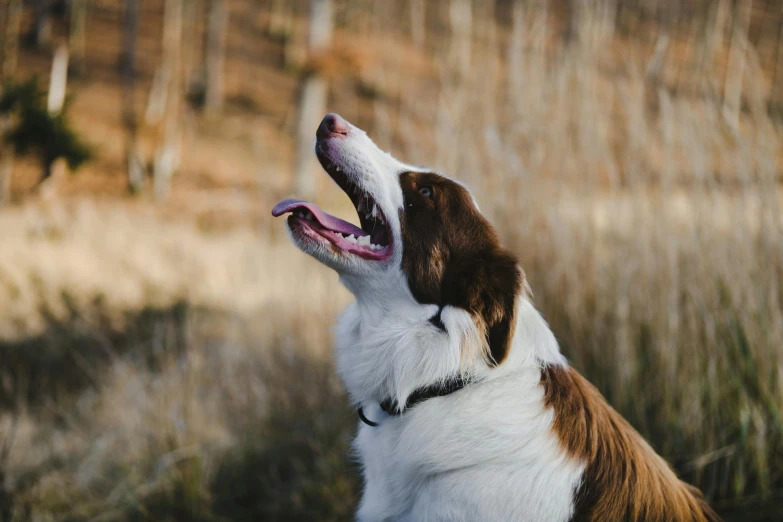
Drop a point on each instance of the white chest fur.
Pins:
(486, 453)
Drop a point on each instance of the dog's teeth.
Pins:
(375, 247)
(374, 212)
(351, 238)
(363, 241)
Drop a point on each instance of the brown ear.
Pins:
(486, 284)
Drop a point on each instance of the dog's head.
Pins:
(418, 230)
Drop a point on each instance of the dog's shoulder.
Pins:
(624, 478)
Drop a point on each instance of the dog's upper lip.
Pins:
(326, 220)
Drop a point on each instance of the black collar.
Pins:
(419, 395)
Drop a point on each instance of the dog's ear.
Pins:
(487, 285)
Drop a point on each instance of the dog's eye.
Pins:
(426, 192)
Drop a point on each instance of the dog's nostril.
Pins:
(332, 124)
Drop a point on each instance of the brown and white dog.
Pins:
(468, 410)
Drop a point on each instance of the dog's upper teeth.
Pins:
(362, 206)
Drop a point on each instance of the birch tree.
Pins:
(41, 29)
(215, 54)
(312, 96)
(134, 164)
(77, 27)
(418, 23)
(167, 154)
(11, 20)
(735, 68)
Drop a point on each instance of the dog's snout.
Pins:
(331, 125)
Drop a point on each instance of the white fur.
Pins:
(484, 453)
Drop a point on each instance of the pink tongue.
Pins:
(328, 221)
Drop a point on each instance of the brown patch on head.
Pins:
(624, 479)
(452, 256)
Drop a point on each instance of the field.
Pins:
(171, 360)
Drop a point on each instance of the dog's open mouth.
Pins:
(370, 241)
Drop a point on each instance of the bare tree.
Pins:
(58, 81)
(418, 23)
(77, 27)
(777, 84)
(41, 29)
(10, 46)
(735, 68)
(461, 21)
(215, 56)
(193, 48)
(167, 155)
(130, 118)
(280, 19)
(55, 99)
(312, 102)
(321, 25)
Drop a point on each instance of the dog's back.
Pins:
(624, 479)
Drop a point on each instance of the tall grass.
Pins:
(648, 220)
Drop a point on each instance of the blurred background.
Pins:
(164, 350)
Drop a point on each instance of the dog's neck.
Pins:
(386, 347)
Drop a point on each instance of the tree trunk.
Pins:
(168, 151)
(58, 81)
(418, 23)
(777, 84)
(130, 117)
(321, 25)
(193, 48)
(76, 34)
(216, 49)
(735, 68)
(311, 109)
(41, 30)
(280, 19)
(312, 102)
(461, 20)
(10, 45)
(10, 37)
(54, 168)
(6, 168)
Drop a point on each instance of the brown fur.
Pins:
(452, 256)
(624, 479)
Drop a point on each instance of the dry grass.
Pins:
(155, 371)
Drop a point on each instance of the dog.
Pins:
(467, 409)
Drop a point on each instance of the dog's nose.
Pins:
(332, 124)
